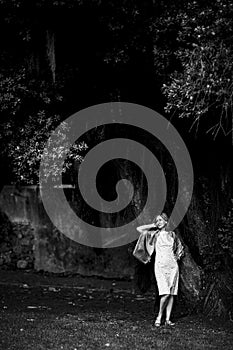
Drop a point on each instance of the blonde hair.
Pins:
(163, 216)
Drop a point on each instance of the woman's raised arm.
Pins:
(144, 228)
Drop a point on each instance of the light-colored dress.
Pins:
(166, 267)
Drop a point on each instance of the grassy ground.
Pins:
(38, 312)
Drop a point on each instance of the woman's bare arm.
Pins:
(144, 228)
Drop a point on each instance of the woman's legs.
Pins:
(166, 302)
(169, 307)
(162, 305)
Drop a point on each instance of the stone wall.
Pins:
(29, 240)
(16, 248)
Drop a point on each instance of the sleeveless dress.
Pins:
(166, 268)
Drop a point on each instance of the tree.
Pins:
(202, 89)
(198, 88)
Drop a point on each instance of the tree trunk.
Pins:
(199, 231)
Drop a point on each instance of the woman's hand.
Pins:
(152, 227)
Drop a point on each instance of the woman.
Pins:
(168, 250)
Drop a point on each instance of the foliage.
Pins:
(203, 87)
(40, 3)
(189, 41)
(225, 231)
(25, 137)
(12, 90)
(21, 91)
(63, 149)
(25, 148)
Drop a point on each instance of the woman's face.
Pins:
(160, 222)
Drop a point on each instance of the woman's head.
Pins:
(161, 220)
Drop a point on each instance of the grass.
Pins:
(44, 318)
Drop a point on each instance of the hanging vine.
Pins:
(50, 39)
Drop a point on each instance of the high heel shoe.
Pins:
(169, 323)
(157, 323)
